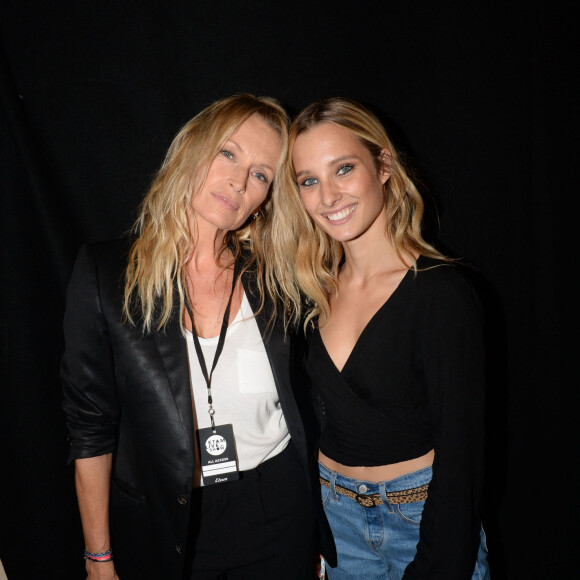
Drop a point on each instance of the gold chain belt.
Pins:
(374, 499)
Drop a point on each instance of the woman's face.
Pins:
(338, 182)
(239, 177)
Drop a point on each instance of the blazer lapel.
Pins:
(173, 351)
(278, 348)
(276, 343)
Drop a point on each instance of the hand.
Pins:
(101, 571)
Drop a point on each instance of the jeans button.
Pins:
(363, 488)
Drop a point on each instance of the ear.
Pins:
(385, 164)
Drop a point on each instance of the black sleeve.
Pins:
(453, 355)
(90, 399)
(304, 393)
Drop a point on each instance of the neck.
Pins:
(209, 242)
(370, 254)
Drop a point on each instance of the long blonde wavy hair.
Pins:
(311, 259)
(165, 238)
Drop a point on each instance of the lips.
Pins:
(341, 214)
(226, 201)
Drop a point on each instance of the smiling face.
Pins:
(239, 177)
(339, 183)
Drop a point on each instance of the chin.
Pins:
(340, 235)
(221, 222)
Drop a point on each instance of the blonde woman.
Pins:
(394, 354)
(189, 449)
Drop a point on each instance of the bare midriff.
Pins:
(378, 472)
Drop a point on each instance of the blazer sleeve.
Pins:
(90, 400)
(453, 358)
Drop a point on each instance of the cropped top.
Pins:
(414, 381)
(414, 375)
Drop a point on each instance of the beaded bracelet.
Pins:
(99, 556)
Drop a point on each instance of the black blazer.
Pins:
(130, 394)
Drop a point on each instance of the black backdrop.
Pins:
(481, 94)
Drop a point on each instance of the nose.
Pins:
(329, 195)
(238, 181)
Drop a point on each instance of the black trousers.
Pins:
(260, 527)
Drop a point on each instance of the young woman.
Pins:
(394, 355)
(187, 439)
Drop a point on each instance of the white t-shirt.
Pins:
(243, 390)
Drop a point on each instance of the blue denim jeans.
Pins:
(378, 543)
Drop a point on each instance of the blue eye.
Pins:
(344, 169)
(261, 177)
(227, 153)
(309, 181)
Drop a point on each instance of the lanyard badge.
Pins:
(217, 445)
(217, 453)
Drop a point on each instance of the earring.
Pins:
(256, 215)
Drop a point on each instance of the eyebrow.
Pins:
(263, 165)
(330, 163)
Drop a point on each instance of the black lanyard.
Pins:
(220, 346)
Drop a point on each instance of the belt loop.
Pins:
(383, 492)
(332, 481)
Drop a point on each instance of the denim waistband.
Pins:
(401, 483)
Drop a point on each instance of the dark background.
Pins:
(482, 95)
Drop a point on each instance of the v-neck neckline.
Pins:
(368, 325)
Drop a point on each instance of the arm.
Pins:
(453, 361)
(93, 483)
(90, 404)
